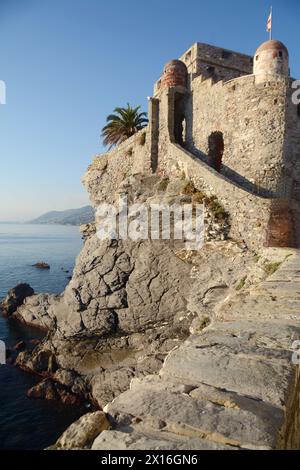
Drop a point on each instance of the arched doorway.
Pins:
(216, 150)
(179, 119)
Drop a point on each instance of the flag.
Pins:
(269, 23)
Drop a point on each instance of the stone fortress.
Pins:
(227, 121)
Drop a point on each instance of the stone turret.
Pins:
(175, 74)
(271, 61)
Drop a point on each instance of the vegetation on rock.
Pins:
(124, 123)
(271, 268)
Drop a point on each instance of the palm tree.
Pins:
(122, 125)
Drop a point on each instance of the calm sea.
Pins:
(28, 423)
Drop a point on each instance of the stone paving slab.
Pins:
(233, 385)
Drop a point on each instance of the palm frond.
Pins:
(122, 124)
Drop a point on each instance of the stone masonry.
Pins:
(228, 122)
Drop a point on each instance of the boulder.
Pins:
(15, 298)
(41, 361)
(53, 391)
(82, 433)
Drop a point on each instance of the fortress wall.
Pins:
(292, 147)
(249, 214)
(210, 61)
(222, 64)
(252, 120)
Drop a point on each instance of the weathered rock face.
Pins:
(115, 280)
(36, 311)
(87, 230)
(125, 307)
(15, 298)
(129, 303)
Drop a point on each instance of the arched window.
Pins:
(216, 150)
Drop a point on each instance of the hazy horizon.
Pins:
(21, 221)
(68, 63)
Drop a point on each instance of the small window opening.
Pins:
(216, 150)
(226, 54)
(210, 70)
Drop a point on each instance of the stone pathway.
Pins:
(231, 386)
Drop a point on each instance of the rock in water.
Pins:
(20, 346)
(15, 298)
(53, 391)
(41, 265)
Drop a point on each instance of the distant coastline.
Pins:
(77, 217)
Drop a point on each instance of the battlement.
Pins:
(219, 63)
(215, 63)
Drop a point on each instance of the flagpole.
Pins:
(271, 22)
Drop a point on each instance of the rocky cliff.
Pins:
(127, 315)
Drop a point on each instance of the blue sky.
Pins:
(68, 63)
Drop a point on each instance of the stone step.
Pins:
(233, 365)
(195, 418)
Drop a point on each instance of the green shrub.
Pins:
(189, 188)
(216, 208)
(271, 268)
(241, 284)
(163, 184)
(143, 139)
(198, 197)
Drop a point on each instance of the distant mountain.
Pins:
(85, 215)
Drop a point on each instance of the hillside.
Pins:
(80, 216)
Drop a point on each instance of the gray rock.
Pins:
(37, 311)
(15, 298)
